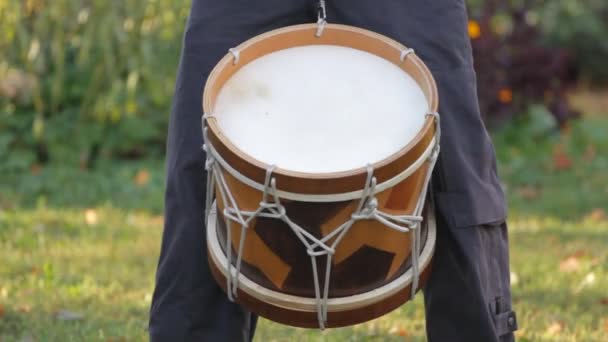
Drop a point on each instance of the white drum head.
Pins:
(320, 109)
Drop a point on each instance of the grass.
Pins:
(78, 250)
(61, 262)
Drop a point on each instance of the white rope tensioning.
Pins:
(271, 207)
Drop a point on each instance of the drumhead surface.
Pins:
(320, 108)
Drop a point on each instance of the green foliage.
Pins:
(82, 78)
(552, 172)
(117, 183)
(580, 26)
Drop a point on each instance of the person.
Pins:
(468, 296)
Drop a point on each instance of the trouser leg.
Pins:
(468, 296)
(187, 304)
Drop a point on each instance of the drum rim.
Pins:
(335, 305)
(301, 182)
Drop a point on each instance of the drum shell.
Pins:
(290, 312)
(371, 255)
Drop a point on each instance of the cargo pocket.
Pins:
(495, 268)
(505, 320)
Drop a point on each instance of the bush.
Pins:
(515, 68)
(581, 26)
(83, 78)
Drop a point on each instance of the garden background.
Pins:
(85, 91)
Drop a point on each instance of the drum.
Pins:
(320, 144)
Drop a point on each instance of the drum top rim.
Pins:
(245, 161)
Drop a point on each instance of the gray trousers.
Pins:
(467, 297)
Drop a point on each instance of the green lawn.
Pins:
(78, 249)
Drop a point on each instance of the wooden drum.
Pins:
(320, 145)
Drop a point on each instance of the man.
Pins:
(468, 295)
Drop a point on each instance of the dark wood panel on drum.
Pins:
(366, 269)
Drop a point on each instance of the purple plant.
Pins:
(514, 68)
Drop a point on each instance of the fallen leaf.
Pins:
(398, 330)
(90, 216)
(528, 192)
(117, 339)
(25, 308)
(402, 332)
(514, 278)
(158, 220)
(35, 169)
(570, 264)
(65, 315)
(597, 215)
(555, 328)
(586, 282)
(589, 279)
(604, 301)
(142, 177)
(589, 153)
(561, 160)
(578, 254)
(606, 325)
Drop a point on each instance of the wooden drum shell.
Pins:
(273, 259)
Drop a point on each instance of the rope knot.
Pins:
(368, 211)
(209, 162)
(281, 209)
(372, 203)
(326, 250)
(266, 205)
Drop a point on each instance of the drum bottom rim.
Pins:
(218, 261)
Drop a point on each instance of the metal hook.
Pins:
(321, 17)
